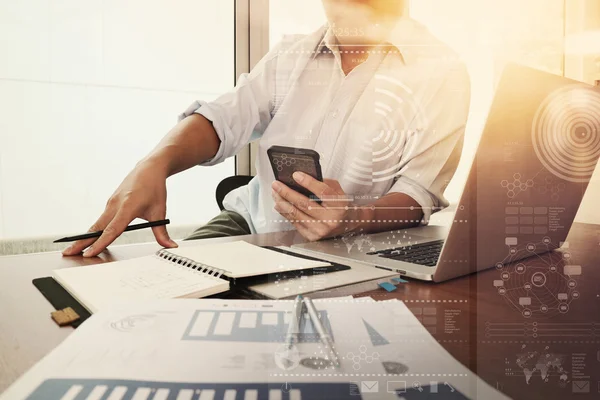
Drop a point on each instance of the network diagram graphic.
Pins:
(543, 284)
(542, 184)
(516, 186)
(361, 357)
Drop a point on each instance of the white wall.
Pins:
(87, 88)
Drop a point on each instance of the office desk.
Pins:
(468, 316)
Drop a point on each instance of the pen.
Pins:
(325, 338)
(99, 233)
(294, 327)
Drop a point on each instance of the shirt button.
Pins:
(334, 114)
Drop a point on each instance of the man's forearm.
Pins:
(192, 141)
(393, 211)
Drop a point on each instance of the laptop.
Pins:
(535, 158)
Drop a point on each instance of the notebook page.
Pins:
(241, 259)
(145, 278)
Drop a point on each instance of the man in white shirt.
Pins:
(380, 99)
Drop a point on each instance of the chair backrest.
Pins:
(228, 184)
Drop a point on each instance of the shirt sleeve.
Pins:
(243, 114)
(432, 152)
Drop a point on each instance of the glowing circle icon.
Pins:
(566, 133)
(538, 279)
(563, 308)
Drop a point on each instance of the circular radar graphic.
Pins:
(380, 157)
(566, 133)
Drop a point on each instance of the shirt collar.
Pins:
(408, 36)
(328, 41)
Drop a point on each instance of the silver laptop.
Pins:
(536, 156)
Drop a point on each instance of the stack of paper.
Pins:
(220, 349)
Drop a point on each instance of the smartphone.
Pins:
(287, 160)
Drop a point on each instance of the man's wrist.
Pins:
(157, 162)
(363, 218)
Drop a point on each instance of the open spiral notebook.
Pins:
(185, 272)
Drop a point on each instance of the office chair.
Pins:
(228, 184)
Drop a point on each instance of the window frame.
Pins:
(251, 44)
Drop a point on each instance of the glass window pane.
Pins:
(87, 89)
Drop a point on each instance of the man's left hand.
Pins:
(335, 215)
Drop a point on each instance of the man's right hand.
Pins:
(143, 194)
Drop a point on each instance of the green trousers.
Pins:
(228, 223)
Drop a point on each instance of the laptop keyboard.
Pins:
(423, 254)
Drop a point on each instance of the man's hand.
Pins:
(335, 215)
(143, 194)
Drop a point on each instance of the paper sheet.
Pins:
(183, 349)
(137, 279)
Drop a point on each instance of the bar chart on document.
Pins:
(250, 326)
(142, 390)
(238, 350)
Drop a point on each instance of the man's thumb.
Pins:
(162, 237)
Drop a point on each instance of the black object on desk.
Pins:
(134, 227)
(60, 298)
(285, 275)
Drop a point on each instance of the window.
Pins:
(87, 89)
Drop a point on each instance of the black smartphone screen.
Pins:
(287, 160)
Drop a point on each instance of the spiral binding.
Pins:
(189, 263)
